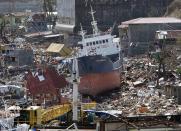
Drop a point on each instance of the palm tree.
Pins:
(49, 5)
(49, 8)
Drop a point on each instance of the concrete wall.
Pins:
(66, 11)
(24, 57)
(146, 32)
(110, 11)
(7, 6)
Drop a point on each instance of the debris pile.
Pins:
(139, 94)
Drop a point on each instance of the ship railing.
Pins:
(93, 35)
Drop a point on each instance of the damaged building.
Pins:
(9, 6)
(13, 56)
(44, 86)
(138, 34)
(18, 14)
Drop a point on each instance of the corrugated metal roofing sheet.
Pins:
(59, 48)
(55, 48)
(38, 34)
(51, 84)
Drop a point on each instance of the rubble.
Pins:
(139, 94)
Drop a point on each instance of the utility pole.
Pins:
(75, 81)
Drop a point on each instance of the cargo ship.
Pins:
(99, 61)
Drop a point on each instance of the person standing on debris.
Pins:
(159, 94)
(160, 58)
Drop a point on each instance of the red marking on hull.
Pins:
(96, 83)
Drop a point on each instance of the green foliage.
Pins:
(49, 5)
(174, 9)
(178, 41)
(178, 70)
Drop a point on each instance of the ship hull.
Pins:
(98, 74)
(96, 83)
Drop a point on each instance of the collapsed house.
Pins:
(43, 86)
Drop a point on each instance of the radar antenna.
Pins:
(82, 32)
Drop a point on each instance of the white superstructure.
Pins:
(98, 43)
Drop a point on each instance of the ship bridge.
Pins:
(101, 44)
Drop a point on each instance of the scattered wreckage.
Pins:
(139, 93)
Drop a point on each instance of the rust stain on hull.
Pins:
(96, 83)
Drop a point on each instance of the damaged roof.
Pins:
(150, 20)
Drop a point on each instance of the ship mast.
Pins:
(94, 23)
(82, 32)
